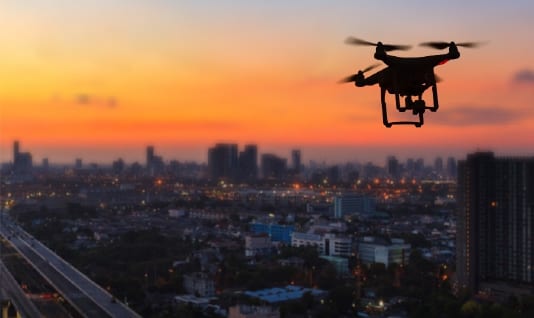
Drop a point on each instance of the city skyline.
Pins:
(353, 155)
(183, 76)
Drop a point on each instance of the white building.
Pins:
(308, 239)
(372, 250)
(328, 244)
(337, 245)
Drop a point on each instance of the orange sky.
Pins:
(83, 79)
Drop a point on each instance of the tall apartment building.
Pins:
(223, 162)
(273, 167)
(495, 224)
(248, 164)
(154, 164)
(22, 161)
(296, 161)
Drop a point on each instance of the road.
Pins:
(86, 296)
(10, 289)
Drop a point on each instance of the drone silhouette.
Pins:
(406, 77)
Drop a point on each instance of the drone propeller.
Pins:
(370, 67)
(444, 45)
(387, 47)
(353, 77)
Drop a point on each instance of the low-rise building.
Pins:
(374, 250)
(299, 239)
(199, 284)
(327, 244)
(284, 294)
(277, 232)
(257, 244)
(351, 203)
(247, 311)
(340, 263)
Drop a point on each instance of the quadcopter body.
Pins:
(406, 77)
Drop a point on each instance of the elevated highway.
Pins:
(87, 297)
(10, 290)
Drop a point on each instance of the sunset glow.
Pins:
(103, 80)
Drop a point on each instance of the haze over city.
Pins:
(101, 80)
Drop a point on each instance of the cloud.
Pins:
(84, 99)
(472, 116)
(524, 76)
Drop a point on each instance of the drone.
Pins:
(407, 77)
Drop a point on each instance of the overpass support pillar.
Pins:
(5, 307)
(9, 311)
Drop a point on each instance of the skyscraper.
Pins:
(22, 161)
(149, 156)
(393, 167)
(15, 150)
(452, 168)
(273, 167)
(495, 224)
(296, 160)
(223, 162)
(438, 164)
(248, 163)
(154, 164)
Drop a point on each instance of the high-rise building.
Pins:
(495, 224)
(154, 164)
(149, 157)
(452, 168)
(419, 166)
(45, 164)
(118, 166)
(410, 166)
(15, 150)
(248, 163)
(438, 164)
(273, 167)
(223, 162)
(22, 161)
(296, 162)
(393, 167)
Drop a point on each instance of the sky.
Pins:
(103, 79)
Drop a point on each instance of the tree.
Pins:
(343, 297)
(470, 309)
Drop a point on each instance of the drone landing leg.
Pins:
(387, 123)
(384, 108)
(398, 104)
(435, 95)
(421, 121)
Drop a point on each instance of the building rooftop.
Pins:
(282, 294)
